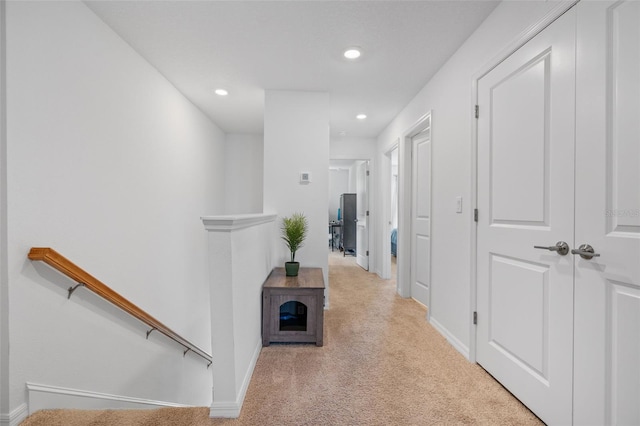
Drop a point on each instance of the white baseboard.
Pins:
(231, 409)
(15, 417)
(228, 410)
(52, 397)
(249, 373)
(453, 340)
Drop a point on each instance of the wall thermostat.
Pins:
(305, 177)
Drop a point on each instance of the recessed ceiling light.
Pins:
(352, 53)
(221, 92)
(361, 116)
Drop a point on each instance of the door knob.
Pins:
(585, 251)
(561, 247)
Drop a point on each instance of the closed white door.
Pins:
(421, 215)
(362, 207)
(525, 199)
(607, 287)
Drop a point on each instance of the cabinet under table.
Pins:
(293, 307)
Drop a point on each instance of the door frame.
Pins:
(5, 403)
(511, 48)
(367, 186)
(405, 205)
(385, 255)
(370, 202)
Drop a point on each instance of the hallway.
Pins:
(381, 364)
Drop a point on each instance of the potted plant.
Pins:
(294, 231)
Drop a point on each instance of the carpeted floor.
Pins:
(382, 364)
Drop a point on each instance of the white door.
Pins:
(362, 215)
(525, 199)
(607, 288)
(421, 215)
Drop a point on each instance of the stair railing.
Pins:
(86, 280)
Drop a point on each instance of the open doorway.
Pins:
(393, 214)
(414, 212)
(390, 237)
(348, 230)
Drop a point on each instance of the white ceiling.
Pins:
(248, 47)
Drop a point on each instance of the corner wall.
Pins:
(449, 96)
(4, 281)
(236, 302)
(346, 148)
(111, 166)
(296, 139)
(243, 173)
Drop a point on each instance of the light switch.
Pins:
(458, 204)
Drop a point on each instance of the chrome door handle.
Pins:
(585, 251)
(561, 247)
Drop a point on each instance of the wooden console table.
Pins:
(293, 307)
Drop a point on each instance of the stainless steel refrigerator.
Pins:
(348, 220)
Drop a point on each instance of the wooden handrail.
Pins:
(68, 268)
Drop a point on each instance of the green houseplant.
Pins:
(294, 232)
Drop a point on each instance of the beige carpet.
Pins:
(382, 364)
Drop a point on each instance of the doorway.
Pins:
(421, 215)
(414, 214)
(390, 234)
(349, 209)
(525, 199)
(558, 233)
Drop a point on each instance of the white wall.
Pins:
(338, 184)
(4, 281)
(348, 148)
(448, 94)
(243, 173)
(296, 139)
(236, 242)
(353, 177)
(110, 165)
